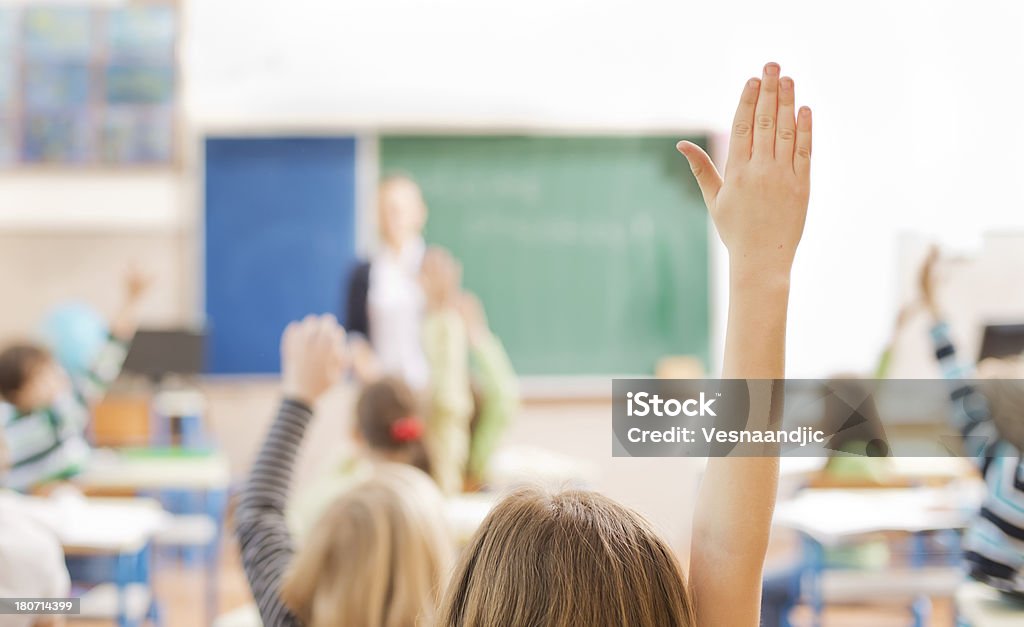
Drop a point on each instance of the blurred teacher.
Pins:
(385, 303)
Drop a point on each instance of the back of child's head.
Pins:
(1004, 394)
(387, 418)
(378, 556)
(19, 364)
(566, 558)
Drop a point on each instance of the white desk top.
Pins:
(832, 516)
(922, 468)
(111, 470)
(87, 526)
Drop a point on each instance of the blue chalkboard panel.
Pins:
(280, 238)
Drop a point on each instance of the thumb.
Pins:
(703, 170)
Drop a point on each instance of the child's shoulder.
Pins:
(7, 413)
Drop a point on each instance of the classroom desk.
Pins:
(900, 471)
(117, 528)
(828, 518)
(112, 470)
(167, 470)
(832, 517)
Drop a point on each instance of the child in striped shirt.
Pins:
(988, 415)
(44, 412)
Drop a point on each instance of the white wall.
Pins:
(916, 105)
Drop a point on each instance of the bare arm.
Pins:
(759, 211)
(126, 320)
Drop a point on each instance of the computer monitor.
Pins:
(159, 353)
(1002, 340)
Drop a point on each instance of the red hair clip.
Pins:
(406, 429)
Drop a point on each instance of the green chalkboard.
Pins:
(589, 253)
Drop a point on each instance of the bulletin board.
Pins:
(279, 241)
(84, 85)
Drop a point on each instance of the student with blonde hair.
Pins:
(377, 556)
(579, 558)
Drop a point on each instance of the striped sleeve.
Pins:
(93, 384)
(266, 543)
(971, 415)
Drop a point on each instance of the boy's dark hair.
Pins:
(17, 365)
(387, 416)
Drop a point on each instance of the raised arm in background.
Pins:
(499, 386)
(450, 398)
(105, 368)
(759, 210)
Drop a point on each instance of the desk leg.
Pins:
(918, 549)
(123, 567)
(922, 611)
(814, 556)
(216, 502)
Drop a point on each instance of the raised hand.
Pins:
(928, 281)
(760, 206)
(441, 278)
(126, 320)
(474, 317)
(759, 209)
(136, 284)
(313, 357)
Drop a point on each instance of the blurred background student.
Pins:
(45, 410)
(31, 558)
(989, 416)
(388, 429)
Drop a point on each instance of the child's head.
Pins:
(30, 377)
(378, 556)
(1003, 387)
(388, 422)
(566, 558)
(402, 212)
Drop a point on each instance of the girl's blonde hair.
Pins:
(566, 558)
(377, 557)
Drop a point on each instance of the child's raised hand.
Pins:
(441, 278)
(760, 207)
(928, 279)
(136, 284)
(313, 357)
(473, 317)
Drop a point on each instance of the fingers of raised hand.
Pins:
(766, 113)
(743, 123)
(802, 154)
(785, 133)
(708, 178)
